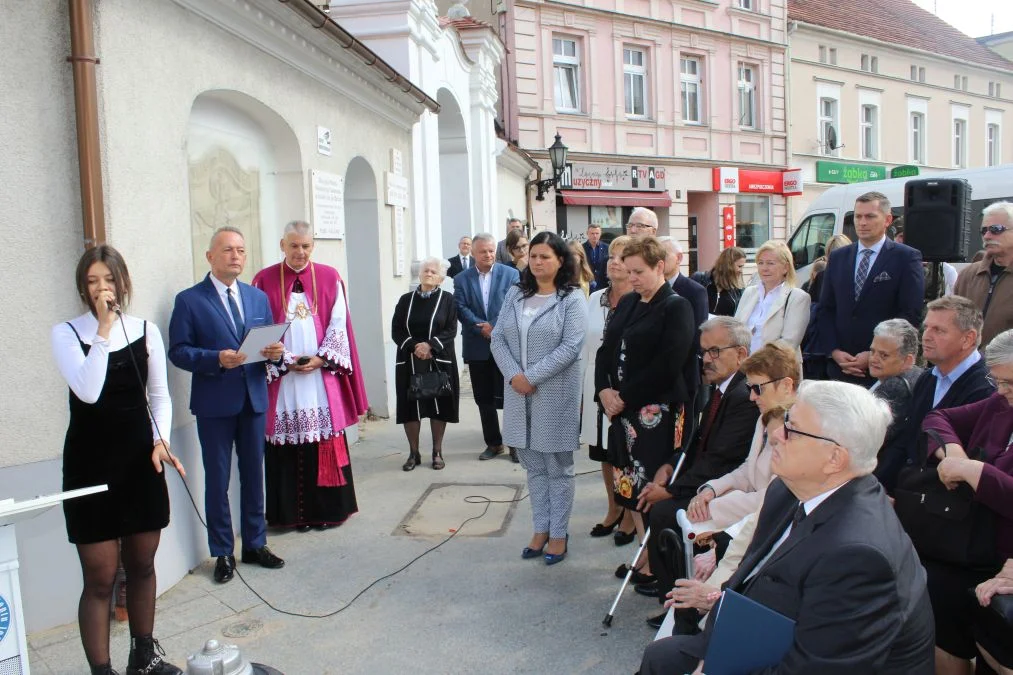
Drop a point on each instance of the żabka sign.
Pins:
(734, 180)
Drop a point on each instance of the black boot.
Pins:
(146, 658)
(105, 669)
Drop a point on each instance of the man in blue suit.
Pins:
(597, 253)
(228, 396)
(479, 293)
(870, 281)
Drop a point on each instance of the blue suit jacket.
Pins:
(894, 289)
(198, 330)
(471, 309)
(597, 260)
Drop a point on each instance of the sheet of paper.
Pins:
(259, 337)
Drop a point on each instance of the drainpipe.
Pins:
(83, 60)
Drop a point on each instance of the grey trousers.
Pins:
(551, 486)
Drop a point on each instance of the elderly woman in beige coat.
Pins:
(772, 374)
(774, 309)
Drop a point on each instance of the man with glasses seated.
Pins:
(828, 551)
(988, 283)
(643, 221)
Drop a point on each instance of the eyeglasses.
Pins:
(758, 388)
(715, 352)
(997, 383)
(993, 229)
(639, 226)
(789, 430)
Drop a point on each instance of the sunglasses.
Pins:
(993, 229)
(789, 430)
(758, 388)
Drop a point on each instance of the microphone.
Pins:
(113, 307)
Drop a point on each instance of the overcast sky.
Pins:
(974, 17)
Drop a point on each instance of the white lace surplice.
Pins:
(302, 412)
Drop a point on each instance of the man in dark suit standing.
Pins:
(870, 281)
(720, 445)
(479, 292)
(828, 551)
(950, 343)
(463, 259)
(228, 396)
(597, 253)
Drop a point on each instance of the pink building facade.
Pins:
(679, 106)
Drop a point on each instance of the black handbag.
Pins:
(429, 385)
(944, 525)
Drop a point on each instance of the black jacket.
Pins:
(658, 343)
(697, 296)
(727, 444)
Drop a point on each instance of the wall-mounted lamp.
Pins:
(557, 155)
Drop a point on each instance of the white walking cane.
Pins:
(607, 621)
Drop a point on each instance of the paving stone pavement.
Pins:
(471, 606)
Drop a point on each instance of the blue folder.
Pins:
(746, 637)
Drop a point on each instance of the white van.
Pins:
(833, 212)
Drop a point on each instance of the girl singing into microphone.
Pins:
(113, 363)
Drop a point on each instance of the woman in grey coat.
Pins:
(537, 344)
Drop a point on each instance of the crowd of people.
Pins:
(825, 473)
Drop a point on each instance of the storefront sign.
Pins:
(728, 227)
(837, 172)
(905, 171)
(612, 177)
(730, 179)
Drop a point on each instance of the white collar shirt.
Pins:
(944, 382)
(759, 315)
(875, 248)
(485, 282)
(221, 288)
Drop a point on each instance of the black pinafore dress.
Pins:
(110, 442)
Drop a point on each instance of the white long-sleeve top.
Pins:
(86, 375)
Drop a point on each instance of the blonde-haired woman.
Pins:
(774, 309)
(816, 280)
(583, 275)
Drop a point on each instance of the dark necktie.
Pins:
(712, 413)
(863, 272)
(464, 262)
(799, 516)
(237, 318)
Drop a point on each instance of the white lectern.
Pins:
(13, 638)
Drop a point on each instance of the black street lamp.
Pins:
(557, 155)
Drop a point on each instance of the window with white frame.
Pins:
(914, 73)
(823, 53)
(692, 87)
(869, 124)
(917, 138)
(865, 63)
(960, 82)
(959, 143)
(566, 71)
(874, 64)
(747, 4)
(828, 122)
(832, 56)
(747, 96)
(993, 150)
(921, 73)
(995, 89)
(635, 81)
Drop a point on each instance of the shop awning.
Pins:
(616, 198)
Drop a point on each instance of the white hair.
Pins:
(904, 335)
(738, 332)
(670, 243)
(441, 265)
(850, 415)
(1005, 208)
(651, 215)
(225, 228)
(300, 227)
(483, 236)
(999, 351)
(467, 236)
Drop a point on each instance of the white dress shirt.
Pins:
(465, 262)
(875, 248)
(485, 281)
(222, 288)
(86, 375)
(760, 312)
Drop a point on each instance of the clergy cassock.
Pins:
(307, 469)
(429, 317)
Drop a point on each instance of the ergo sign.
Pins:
(734, 180)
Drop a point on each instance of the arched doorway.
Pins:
(245, 170)
(455, 175)
(362, 232)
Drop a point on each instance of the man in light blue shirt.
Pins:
(952, 348)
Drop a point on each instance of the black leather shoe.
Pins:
(225, 568)
(303, 528)
(649, 589)
(263, 557)
(622, 538)
(656, 621)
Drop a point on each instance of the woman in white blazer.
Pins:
(774, 309)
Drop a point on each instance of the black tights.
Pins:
(412, 429)
(98, 564)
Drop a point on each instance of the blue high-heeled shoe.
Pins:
(528, 553)
(553, 558)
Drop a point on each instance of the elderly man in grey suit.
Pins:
(828, 551)
(537, 344)
(479, 292)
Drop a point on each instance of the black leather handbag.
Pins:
(945, 525)
(429, 385)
